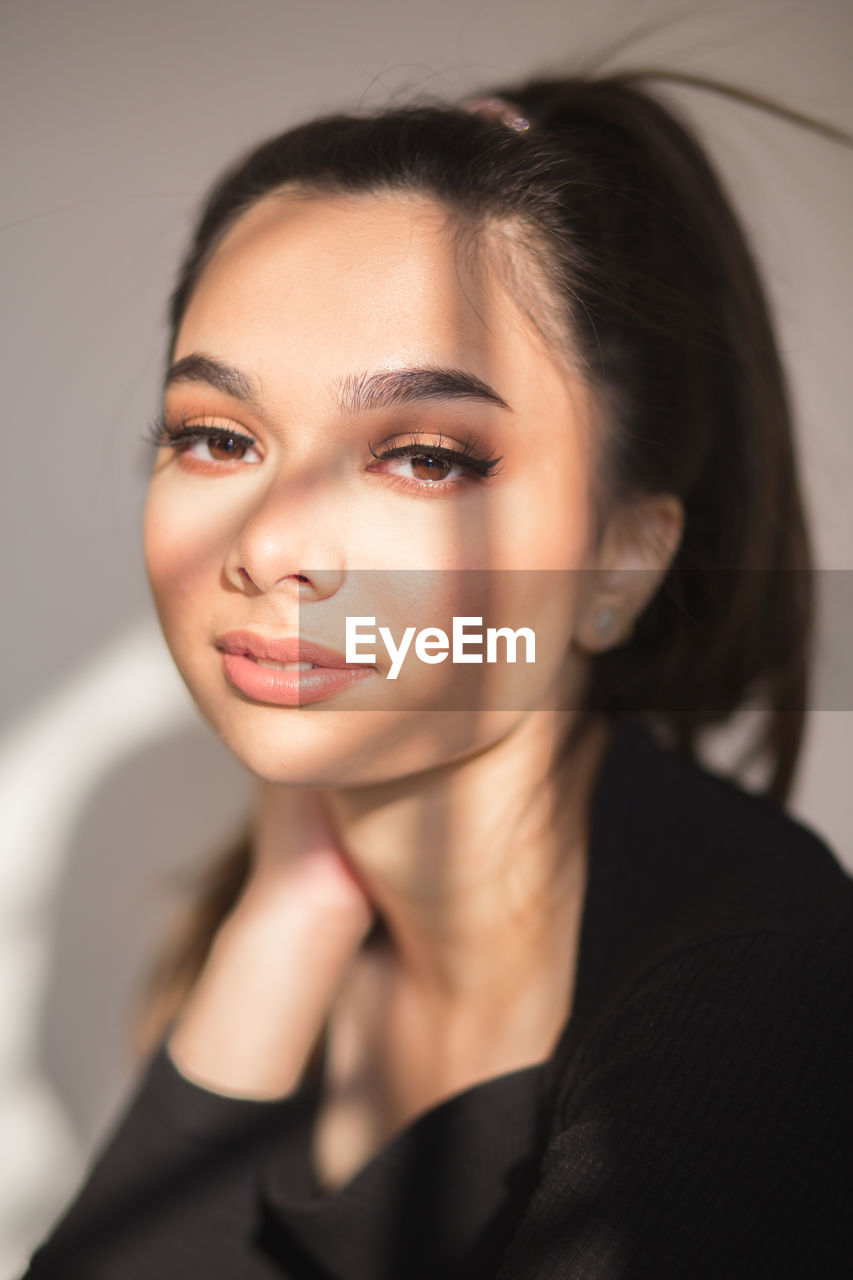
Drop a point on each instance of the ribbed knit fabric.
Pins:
(707, 1131)
(694, 1120)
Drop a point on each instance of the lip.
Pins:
(241, 651)
(283, 649)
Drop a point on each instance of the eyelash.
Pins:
(466, 457)
(162, 434)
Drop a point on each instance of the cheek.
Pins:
(542, 518)
(539, 601)
(555, 525)
(179, 547)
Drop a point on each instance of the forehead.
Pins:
(329, 284)
(385, 254)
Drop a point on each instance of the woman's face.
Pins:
(333, 330)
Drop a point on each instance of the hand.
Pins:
(260, 1002)
(295, 849)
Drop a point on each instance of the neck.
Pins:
(474, 867)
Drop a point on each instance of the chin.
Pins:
(314, 747)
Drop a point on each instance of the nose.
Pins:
(289, 539)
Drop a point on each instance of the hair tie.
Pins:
(508, 113)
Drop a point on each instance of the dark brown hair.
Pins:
(661, 304)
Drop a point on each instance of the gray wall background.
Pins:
(117, 116)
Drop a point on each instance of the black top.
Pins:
(694, 1120)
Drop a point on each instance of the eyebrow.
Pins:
(360, 392)
(224, 377)
(357, 393)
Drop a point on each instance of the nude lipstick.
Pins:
(265, 669)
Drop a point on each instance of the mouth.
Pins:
(283, 666)
(286, 671)
(284, 653)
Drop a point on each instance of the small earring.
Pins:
(604, 620)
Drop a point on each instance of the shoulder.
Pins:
(759, 1012)
(714, 918)
(686, 857)
(699, 892)
(705, 1125)
(699, 1106)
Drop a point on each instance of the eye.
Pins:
(432, 465)
(205, 443)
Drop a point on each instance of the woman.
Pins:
(502, 981)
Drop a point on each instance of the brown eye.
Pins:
(426, 466)
(227, 450)
(434, 468)
(202, 444)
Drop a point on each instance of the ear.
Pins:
(634, 553)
